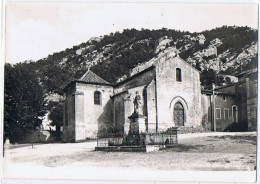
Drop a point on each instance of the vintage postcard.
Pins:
(134, 91)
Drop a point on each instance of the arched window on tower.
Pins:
(97, 98)
(178, 74)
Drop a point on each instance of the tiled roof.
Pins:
(91, 77)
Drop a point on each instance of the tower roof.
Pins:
(91, 77)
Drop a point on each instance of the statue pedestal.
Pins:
(137, 124)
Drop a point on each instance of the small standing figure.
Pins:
(137, 103)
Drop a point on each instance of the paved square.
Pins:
(205, 151)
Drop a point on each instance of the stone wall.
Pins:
(151, 107)
(140, 79)
(169, 91)
(252, 100)
(124, 107)
(252, 114)
(83, 119)
(225, 103)
(136, 83)
(242, 105)
(93, 118)
(79, 115)
(37, 136)
(119, 112)
(69, 118)
(206, 109)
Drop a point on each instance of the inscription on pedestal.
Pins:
(137, 124)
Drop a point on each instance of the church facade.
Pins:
(170, 95)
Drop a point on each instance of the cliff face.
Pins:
(205, 58)
(234, 60)
(219, 54)
(222, 51)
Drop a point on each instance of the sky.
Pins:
(36, 29)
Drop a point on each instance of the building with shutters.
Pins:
(170, 93)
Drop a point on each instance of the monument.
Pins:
(137, 124)
(138, 137)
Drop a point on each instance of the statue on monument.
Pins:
(137, 103)
(137, 120)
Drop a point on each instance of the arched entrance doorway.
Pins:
(178, 114)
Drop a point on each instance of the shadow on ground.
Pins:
(240, 139)
(185, 148)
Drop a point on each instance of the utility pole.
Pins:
(213, 105)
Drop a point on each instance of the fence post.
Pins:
(163, 140)
(176, 137)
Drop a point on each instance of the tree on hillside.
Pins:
(232, 37)
(24, 100)
(208, 77)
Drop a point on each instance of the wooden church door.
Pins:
(178, 114)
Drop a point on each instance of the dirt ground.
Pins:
(213, 153)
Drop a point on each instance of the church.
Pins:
(170, 95)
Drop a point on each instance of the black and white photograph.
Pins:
(129, 91)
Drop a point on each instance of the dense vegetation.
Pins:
(234, 38)
(28, 84)
(24, 100)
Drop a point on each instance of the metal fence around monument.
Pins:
(142, 139)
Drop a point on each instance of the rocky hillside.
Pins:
(220, 54)
(224, 51)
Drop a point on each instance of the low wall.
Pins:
(142, 139)
(37, 136)
(146, 148)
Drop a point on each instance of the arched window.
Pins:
(97, 98)
(234, 113)
(178, 74)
